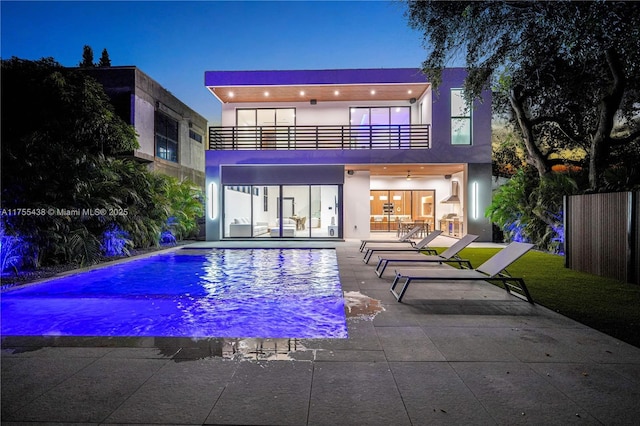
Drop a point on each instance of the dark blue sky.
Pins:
(176, 42)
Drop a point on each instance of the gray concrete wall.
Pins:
(137, 97)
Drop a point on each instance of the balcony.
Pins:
(395, 136)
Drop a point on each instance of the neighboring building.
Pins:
(342, 153)
(172, 136)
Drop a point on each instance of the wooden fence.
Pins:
(602, 234)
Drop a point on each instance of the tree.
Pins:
(104, 59)
(87, 57)
(567, 71)
(61, 153)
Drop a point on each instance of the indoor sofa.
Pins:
(241, 227)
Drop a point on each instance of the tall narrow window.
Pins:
(166, 137)
(460, 119)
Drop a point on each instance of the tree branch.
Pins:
(608, 107)
(627, 139)
(534, 156)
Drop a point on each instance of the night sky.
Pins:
(176, 42)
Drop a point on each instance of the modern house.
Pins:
(343, 153)
(172, 136)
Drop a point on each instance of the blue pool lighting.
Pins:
(268, 293)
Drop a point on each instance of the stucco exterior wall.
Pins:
(323, 113)
(357, 208)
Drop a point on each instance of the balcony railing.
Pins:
(395, 136)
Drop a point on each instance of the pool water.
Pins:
(267, 293)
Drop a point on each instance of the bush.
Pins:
(529, 209)
(116, 242)
(12, 250)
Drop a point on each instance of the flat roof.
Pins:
(313, 77)
(321, 85)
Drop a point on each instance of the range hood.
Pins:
(454, 197)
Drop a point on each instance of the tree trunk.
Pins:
(534, 156)
(608, 107)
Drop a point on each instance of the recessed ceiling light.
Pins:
(336, 93)
(302, 93)
(410, 91)
(266, 93)
(231, 94)
(373, 92)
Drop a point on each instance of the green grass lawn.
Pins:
(605, 304)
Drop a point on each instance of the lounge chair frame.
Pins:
(420, 246)
(509, 282)
(405, 239)
(448, 256)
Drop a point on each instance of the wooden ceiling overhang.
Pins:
(317, 85)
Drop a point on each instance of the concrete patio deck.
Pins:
(466, 353)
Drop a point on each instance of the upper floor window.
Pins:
(367, 116)
(252, 117)
(166, 137)
(195, 136)
(460, 119)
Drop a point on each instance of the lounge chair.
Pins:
(450, 255)
(491, 270)
(421, 245)
(404, 239)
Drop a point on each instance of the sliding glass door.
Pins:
(281, 211)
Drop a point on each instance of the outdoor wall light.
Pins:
(474, 200)
(213, 201)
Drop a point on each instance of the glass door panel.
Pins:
(285, 122)
(380, 129)
(380, 210)
(266, 119)
(247, 134)
(401, 116)
(237, 211)
(296, 211)
(325, 217)
(260, 217)
(424, 207)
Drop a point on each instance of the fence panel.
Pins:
(601, 235)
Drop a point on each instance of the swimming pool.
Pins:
(268, 293)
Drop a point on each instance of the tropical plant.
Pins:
(59, 156)
(116, 242)
(12, 250)
(530, 208)
(186, 206)
(167, 238)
